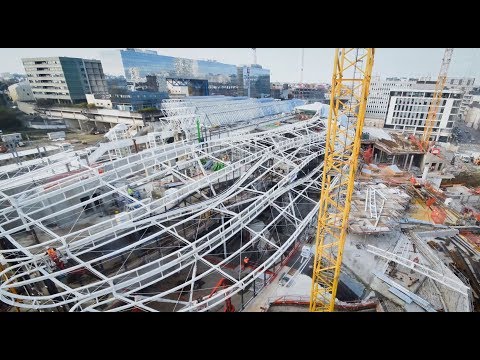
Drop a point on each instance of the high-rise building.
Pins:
(64, 79)
(408, 108)
(379, 95)
(466, 85)
(254, 78)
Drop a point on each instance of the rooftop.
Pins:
(392, 143)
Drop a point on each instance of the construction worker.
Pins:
(52, 253)
(130, 191)
(245, 261)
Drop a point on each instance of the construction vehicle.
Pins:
(350, 86)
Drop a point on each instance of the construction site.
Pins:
(229, 204)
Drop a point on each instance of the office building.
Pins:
(145, 70)
(466, 85)
(63, 79)
(408, 108)
(129, 100)
(253, 81)
(310, 93)
(21, 92)
(279, 91)
(379, 95)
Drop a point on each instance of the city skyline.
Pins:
(284, 63)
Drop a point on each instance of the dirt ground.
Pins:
(89, 139)
(36, 138)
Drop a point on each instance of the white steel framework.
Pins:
(154, 231)
(449, 282)
(219, 115)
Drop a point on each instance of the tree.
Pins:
(9, 120)
(148, 110)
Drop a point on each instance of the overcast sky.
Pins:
(284, 63)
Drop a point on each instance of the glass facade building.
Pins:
(137, 100)
(148, 71)
(124, 99)
(259, 79)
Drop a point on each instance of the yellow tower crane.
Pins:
(436, 100)
(352, 71)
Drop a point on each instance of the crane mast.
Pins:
(437, 98)
(350, 85)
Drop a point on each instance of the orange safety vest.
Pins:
(52, 253)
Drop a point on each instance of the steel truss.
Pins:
(443, 279)
(153, 254)
(182, 114)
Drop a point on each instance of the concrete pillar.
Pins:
(411, 162)
(393, 160)
(425, 173)
(406, 160)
